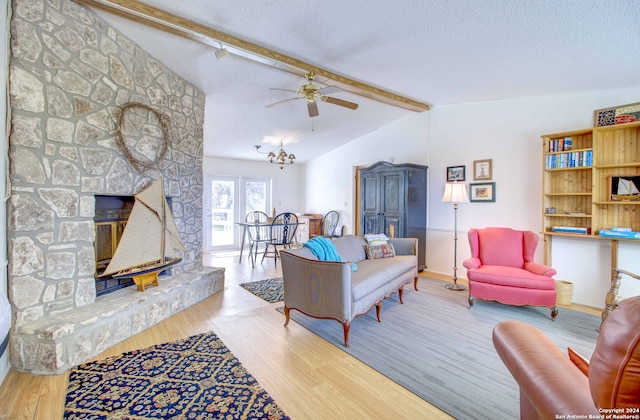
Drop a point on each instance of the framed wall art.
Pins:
(455, 173)
(482, 192)
(482, 170)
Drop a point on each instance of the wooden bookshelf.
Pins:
(579, 191)
(567, 181)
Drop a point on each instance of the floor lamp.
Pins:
(455, 192)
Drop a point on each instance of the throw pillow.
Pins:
(376, 238)
(380, 251)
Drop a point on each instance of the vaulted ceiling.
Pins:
(427, 52)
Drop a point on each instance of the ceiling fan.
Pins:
(312, 93)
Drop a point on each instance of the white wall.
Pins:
(287, 184)
(330, 178)
(506, 131)
(5, 308)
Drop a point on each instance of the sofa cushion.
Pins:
(350, 248)
(375, 274)
(614, 370)
(510, 276)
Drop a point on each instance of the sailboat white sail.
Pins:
(150, 242)
(627, 190)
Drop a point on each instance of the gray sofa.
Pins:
(332, 290)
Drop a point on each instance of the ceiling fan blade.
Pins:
(340, 102)
(313, 109)
(288, 90)
(281, 102)
(329, 89)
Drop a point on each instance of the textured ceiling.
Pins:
(434, 51)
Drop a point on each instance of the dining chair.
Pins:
(258, 232)
(283, 231)
(330, 223)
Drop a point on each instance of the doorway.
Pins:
(227, 201)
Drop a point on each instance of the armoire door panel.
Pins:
(394, 202)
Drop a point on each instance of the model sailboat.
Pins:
(626, 190)
(150, 242)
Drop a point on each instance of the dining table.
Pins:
(245, 225)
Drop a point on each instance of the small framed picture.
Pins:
(482, 192)
(482, 170)
(455, 173)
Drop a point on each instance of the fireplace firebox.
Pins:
(111, 215)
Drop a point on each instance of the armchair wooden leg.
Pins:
(554, 312)
(415, 283)
(378, 310)
(470, 299)
(400, 291)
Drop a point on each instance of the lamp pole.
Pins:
(455, 285)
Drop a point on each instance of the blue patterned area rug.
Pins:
(194, 378)
(270, 290)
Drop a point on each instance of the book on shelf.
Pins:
(560, 145)
(610, 233)
(569, 160)
(621, 229)
(570, 229)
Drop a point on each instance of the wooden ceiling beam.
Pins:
(160, 19)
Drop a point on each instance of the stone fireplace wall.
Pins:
(70, 73)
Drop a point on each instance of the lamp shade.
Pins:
(455, 192)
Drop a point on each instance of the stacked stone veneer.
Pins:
(70, 73)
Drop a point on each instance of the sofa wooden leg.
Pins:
(346, 325)
(400, 292)
(286, 315)
(470, 299)
(554, 312)
(415, 283)
(378, 310)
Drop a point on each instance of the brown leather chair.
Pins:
(554, 383)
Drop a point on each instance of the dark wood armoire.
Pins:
(393, 201)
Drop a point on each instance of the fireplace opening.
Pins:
(111, 215)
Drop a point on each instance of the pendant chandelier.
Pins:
(281, 158)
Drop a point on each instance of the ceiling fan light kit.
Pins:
(312, 93)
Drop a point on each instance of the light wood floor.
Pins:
(307, 376)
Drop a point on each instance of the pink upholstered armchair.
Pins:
(501, 268)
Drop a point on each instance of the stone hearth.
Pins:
(54, 344)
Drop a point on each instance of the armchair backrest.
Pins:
(502, 246)
(614, 370)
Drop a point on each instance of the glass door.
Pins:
(227, 201)
(221, 210)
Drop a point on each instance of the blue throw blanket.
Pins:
(325, 250)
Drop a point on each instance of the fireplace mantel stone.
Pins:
(70, 76)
